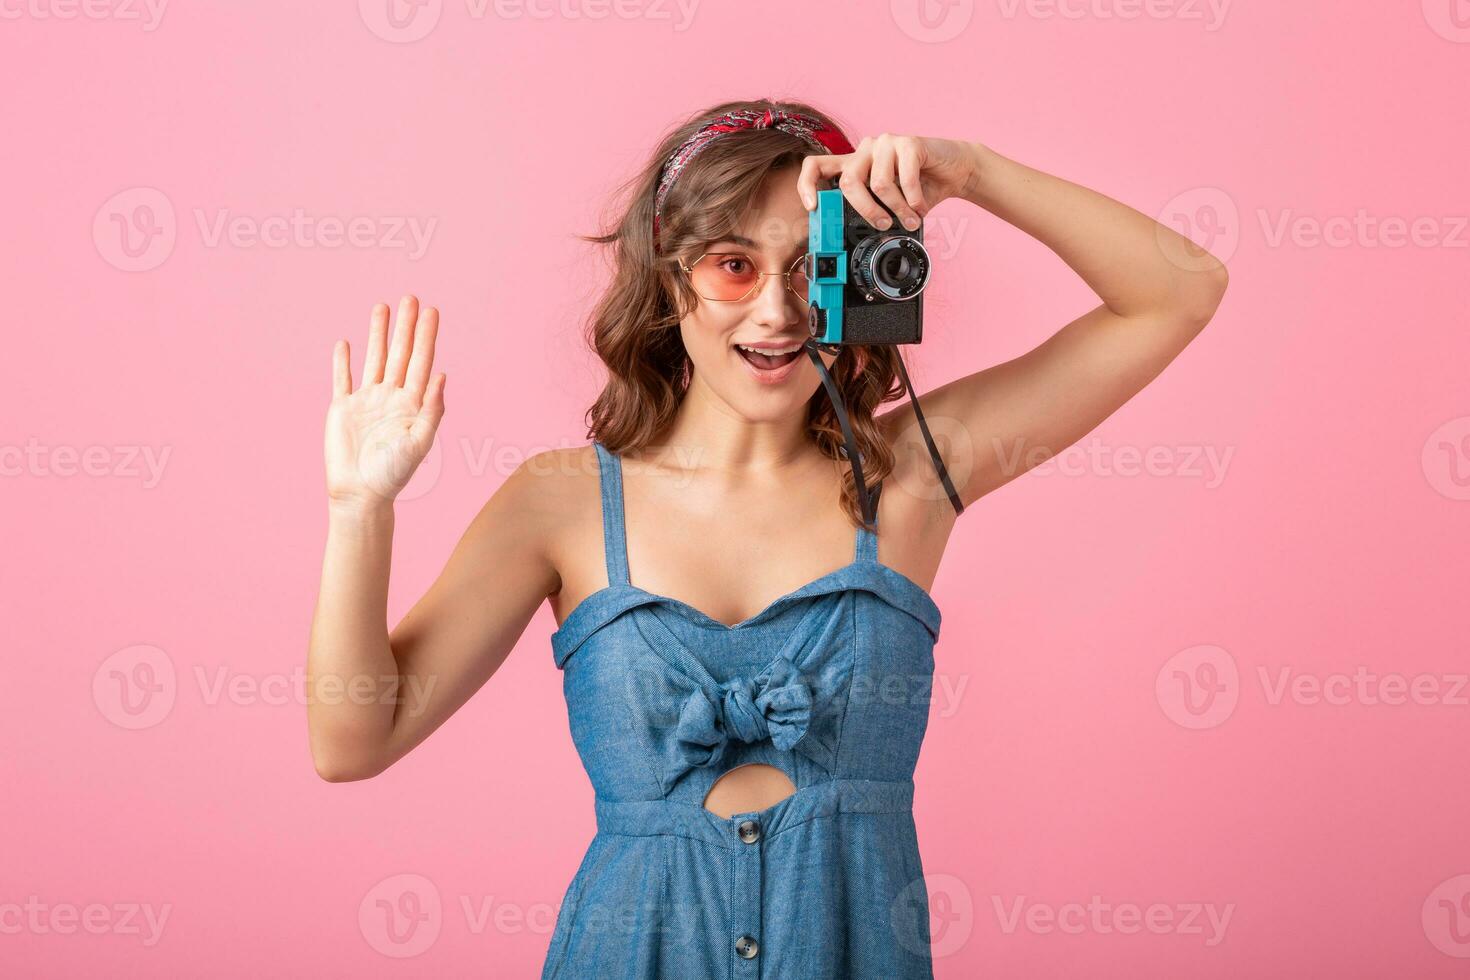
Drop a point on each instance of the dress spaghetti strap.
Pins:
(614, 526)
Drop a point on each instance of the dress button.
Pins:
(750, 831)
(746, 946)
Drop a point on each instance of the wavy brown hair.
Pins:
(633, 327)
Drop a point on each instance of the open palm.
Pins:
(377, 435)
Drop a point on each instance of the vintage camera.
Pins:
(865, 285)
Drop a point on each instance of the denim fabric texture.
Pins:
(829, 683)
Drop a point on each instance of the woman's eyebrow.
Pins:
(744, 242)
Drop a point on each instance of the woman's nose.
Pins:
(775, 302)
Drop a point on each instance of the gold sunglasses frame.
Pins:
(755, 287)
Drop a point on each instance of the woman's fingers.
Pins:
(813, 170)
(377, 345)
(341, 369)
(422, 361)
(432, 409)
(402, 346)
(910, 172)
(854, 185)
(883, 180)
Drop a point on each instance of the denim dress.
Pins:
(831, 684)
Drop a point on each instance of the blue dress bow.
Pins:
(778, 705)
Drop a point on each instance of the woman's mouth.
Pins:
(770, 365)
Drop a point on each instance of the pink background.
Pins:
(1083, 604)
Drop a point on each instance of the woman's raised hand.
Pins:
(377, 435)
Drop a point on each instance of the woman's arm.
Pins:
(1158, 290)
(373, 696)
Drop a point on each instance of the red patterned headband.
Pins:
(818, 134)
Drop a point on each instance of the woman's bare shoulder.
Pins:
(552, 500)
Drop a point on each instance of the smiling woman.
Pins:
(753, 797)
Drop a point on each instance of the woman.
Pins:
(752, 756)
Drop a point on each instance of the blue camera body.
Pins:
(865, 285)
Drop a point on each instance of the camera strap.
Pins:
(865, 500)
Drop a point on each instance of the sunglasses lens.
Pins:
(724, 276)
(801, 277)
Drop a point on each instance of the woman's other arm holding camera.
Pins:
(1158, 290)
(374, 696)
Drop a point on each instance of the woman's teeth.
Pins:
(769, 358)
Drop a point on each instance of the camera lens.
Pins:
(893, 266)
(894, 269)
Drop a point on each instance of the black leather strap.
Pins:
(954, 498)
(866, 500)
(853, 456)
